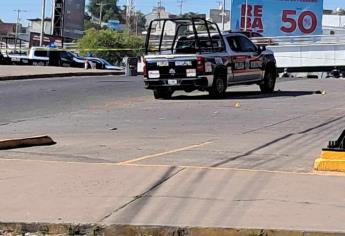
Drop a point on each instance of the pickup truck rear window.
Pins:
(188, 45)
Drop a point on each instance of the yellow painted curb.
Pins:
(330, 161)
(333, 155)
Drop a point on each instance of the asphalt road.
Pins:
(30, 99)
(281, 131)
(243, 161)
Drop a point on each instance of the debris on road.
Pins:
(27, 142)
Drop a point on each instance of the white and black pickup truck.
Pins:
(192, 54)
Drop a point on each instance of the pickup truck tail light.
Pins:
(200, 65)
(145, 69)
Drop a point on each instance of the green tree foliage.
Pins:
(341, 11)
(203, 28)
(192, 15)
(110, 10)
(89, 25)
(111, 45)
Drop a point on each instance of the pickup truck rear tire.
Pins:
(162, 93)
(269, 81)
(218, 88)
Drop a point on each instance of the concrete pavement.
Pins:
(108, 194)
(185, 162)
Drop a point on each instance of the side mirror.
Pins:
(261, 49)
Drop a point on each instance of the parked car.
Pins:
(32, 56)
(103, 64)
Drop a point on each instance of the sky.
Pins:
(33, 7)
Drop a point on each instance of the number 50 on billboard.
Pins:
(277, 17)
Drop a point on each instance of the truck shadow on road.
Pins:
(248, 95)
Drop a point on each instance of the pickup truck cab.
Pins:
(199, 57)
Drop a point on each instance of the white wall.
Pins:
(309, 55)
(333, 20)
(36, 27)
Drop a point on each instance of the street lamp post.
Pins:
(42, 22)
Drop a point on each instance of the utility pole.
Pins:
(17, 27)
(159, 6)
(101, 5)
(136, 23)
(223, 15)
(180, 4)
(42, 22)
(129, 13)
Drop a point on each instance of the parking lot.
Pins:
(124, 158)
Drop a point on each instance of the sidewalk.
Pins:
(110, 195)
(12, 72)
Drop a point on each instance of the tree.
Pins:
(193, 15)
(111, 45)
(88, 24)
(340, 11)
(110, 10)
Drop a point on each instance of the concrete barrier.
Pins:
(332, 158)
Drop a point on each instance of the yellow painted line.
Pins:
(164, 153)
(181, 166)
(111, 49)
(239, 170)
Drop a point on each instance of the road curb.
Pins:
(330, 161)
(13, 229)
(27, 142)
(43, 76)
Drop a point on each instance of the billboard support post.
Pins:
(246, 17)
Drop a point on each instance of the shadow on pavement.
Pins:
(247, 95)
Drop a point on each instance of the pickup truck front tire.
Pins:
(163, 93)
(269, 80)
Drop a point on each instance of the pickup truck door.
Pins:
(245, 60)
